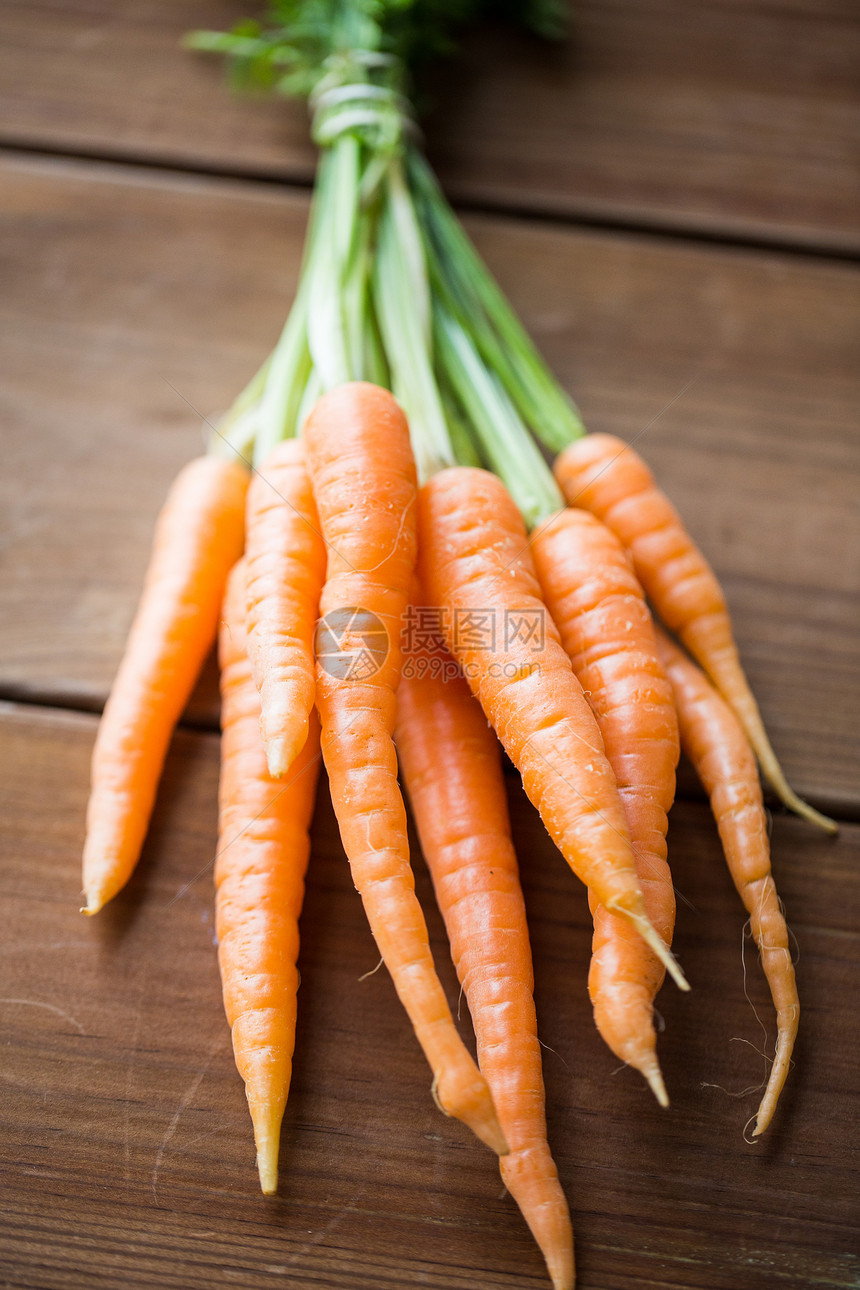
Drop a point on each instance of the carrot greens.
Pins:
(392, 290)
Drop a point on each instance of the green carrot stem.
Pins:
(400, 297)
(505, 344)
(466, 450)
(326, 327)
(376, 367)
(236, 443)
(246, 398)
(509, 448)
(391, 288)
(310, 394)
(356, 287)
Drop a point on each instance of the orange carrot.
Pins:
(263, 849)
(604, 475)
(475, 564)
(599, 608)
(285, 557)
(363, 476)
(450, 761)
(198, 538)
(714, 741)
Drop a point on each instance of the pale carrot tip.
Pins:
(496, 1140)
(560, 1262)
(765, 1113)
(481, 1119)
(93, 905)
(655, 942)
(487, 1128)
(768, 1104)
(654, 1076)
(281, 753)
(562, 1280)
(268, 1176)
(807, 812)
(786, 794)
(267, 1135)
(673, 967)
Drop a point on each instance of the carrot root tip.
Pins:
(763, 1116)
(773, 772)
(491, 1135)
(267, 1134)
(807, 812)
(481, 1118)
(654, 1076)
(281, 753)
(434, 1093)
(655, 942)
(765, 1112)
(564, 1279)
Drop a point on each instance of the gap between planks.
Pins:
(15, 702)
(300, 181)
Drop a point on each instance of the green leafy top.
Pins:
(391, 288)
(299, 43)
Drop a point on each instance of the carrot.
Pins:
(604, 475)
(363, 476)
(450, 762)
(263, 849)
(285, 557)
(198, 538)
(717, 746)
(475, 564)
(599, 608)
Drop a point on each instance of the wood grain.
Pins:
(126, 1148)
(136, 303)
(738, 118)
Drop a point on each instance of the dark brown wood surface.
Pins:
(134, 303)
(740, 117)
(126, 1146)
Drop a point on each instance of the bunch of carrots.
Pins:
(328, 513)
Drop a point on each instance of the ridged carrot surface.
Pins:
(363, 476)
(599, 608)
(285, 557)
(606, 476)
(713, 739)
(450, 761)
(263, 849)
(198, 538)
(475, 563)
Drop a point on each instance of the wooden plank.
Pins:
(126, 1148)
(736, 118)
(133, 300)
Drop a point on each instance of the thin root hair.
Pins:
(744, 1092)
(744, 930)
(554, 1052)
(372, 972)
(753, 1141)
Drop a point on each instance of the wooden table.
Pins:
(671, 202)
